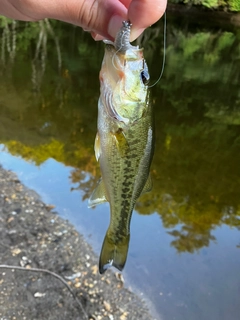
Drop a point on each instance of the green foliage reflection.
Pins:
(232, 5)
(48, 109)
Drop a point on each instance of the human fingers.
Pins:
(114, 25)
(126, 3)
(103, 17)
(143, 13)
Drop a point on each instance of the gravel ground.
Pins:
(33, 236)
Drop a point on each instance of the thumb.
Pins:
(102, 17)
(144, 13)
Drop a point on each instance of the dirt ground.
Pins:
(33, 236)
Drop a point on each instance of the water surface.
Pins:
(184, 251)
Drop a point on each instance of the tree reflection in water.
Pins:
(196, 172)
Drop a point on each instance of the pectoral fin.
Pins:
(121, 142)
(148, 185)
(97, 147)
(98, 196)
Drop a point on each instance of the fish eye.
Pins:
(145, 77)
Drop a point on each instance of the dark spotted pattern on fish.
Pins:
(124, 144)
(127, 171)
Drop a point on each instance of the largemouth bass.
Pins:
(124, 142)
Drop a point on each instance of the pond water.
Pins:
(184, 254)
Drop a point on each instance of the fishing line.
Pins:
(164, 49)
(113, 57)
(118, 51)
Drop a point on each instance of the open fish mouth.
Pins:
(122, 41)
(124, 78)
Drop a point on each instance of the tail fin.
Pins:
(114, 253)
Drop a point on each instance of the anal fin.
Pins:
(98, 196)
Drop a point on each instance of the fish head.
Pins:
(124, 77)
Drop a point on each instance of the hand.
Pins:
(103, 18)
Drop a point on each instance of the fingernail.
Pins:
(114, 25)
(96, 36)
(135, 34)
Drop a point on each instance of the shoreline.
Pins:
(32, 236)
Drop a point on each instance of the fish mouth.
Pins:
(123, 77)
(122, 42)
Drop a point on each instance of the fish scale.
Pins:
(124, 143)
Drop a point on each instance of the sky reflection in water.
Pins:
(184, 249)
